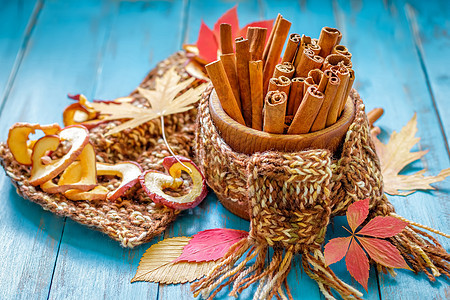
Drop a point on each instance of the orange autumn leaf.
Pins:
(381, 251)
(396, 155)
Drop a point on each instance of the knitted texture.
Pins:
(133, 219)
(290, 198)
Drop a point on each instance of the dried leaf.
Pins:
(383, 227)
(157, 264)
(207, 47)
(357, 263)
(357, 213)
(207, 44)
(229, 17)
(383, 253)
(211, 244)
(163, 101)
(336, 249)
(395, 156)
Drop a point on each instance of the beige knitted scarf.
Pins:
(292, 197)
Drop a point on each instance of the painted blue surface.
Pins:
(104, 49)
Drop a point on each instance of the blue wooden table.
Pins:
(103, 49)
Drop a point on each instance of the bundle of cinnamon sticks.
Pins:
(304, 90)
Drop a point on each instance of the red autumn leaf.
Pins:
(357, 213)
(336, 249)
(383, 253)
(264, 24)
(229, 17)
(383, 227)
(208, 40)
(357, 263)
(210, 244)
(207, 44)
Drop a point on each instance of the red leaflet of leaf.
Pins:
(357, 213)
(357, 263)
(335, 249)
(383, 227)
(229, 17)
(383, 253)
(210, 244)
(207, 44)
(264, 24)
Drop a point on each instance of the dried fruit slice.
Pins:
(155, 182)
(129, 171)
(18, 139)
(78, 112)
(98, 193)
(80, 175)
(77, 135)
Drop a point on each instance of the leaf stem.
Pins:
(168, 146)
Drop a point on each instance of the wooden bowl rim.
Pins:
(346, 118)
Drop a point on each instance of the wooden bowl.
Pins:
(247, 140)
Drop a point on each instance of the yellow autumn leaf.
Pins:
(156, 264)
(396, 155)
(163, 101)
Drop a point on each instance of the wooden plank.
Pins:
(389, 75)
(137, 41)
(210, 213)
(61, 56)
(430, 28)
(18, 18)
(30, 236)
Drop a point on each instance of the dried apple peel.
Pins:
(40, 173)
(19, 143)
(128, 171)
(155, 182)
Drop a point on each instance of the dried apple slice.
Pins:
(155, 182)
(78, 112)
(77, 135)
(129, 171)
(98, 193)
(18, 139)
(80, 175)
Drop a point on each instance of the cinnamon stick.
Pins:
(274, 110)
(309, 81)
(282, 84)
(270, 40)
(307, 112)
(334, 112)
(374, 115)
(216, 73)
(336, 60)
(284, 69)
(226, 39)
(291, 47)
(275, 50)
(308, 61)
(330, 94)
(243, 75)
(316, 75)
(256, 88)
(349, 88)
(229, 64)
(295, 95)
(327, 40)
(257, 39)
(341, 49)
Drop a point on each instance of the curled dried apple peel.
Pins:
(19, 143)
(155, 182)
(77, 135)
(128, 171)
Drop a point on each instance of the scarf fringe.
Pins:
(422, 251)
(271, 277)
